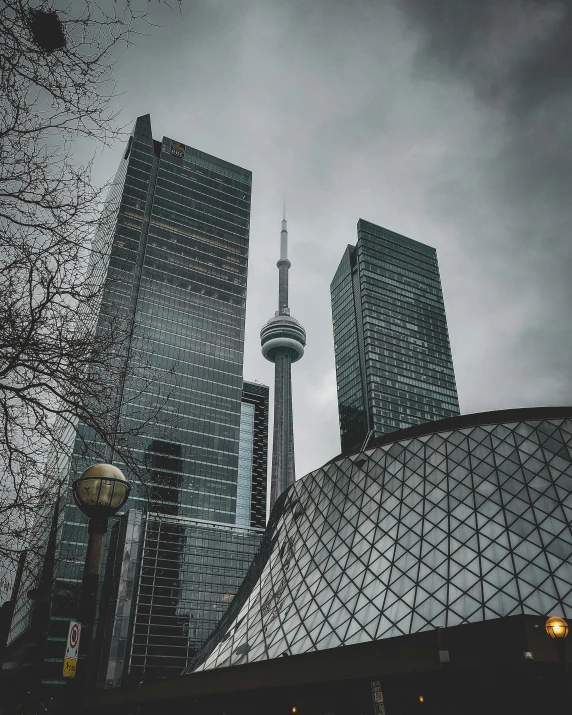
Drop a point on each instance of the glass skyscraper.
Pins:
(163, 609)
(173, 252)
(393, 359)
(253, 452)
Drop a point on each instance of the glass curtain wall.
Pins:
(393, 359)
(460, 523)
(256, 396)
(245, 463)
(173, 255)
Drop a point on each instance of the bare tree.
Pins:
(56, 86)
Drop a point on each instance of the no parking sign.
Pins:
(378, 705)
(72, 648)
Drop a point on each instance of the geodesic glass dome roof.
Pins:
(445, 527)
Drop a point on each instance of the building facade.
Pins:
(393, 359)
(168, 582)
(253, 454)
(170, 579)
(459, 521)
(173, 253)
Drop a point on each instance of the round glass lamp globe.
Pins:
(101, 491)
(556, 627)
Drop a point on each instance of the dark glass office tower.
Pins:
(179, 598)
(253, 454)
(393, 360)
(173, 252)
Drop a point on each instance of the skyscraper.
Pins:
(283, 340)
(253, 453)
(174, 256)
(393, 360)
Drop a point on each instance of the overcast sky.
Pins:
(445, 120)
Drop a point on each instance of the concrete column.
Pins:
(283, 474)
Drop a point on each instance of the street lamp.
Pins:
(99, 493)
(557, 629)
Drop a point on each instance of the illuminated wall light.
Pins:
(556, 627)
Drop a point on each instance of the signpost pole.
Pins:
(377, 697)
(84, 669)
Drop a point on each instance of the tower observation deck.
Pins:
(283, 340)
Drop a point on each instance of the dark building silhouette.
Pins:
(165, 465)
(254, 443)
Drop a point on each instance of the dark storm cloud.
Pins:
(519, 49)
(517, 58)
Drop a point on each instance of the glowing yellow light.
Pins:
(556, 627)
(294, 709)
(421, 699)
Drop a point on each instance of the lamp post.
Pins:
(557, 629)
(99, 493)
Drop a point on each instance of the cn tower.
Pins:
(283, 340)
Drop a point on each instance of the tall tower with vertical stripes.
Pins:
(283, 340)
(172, 255)
(393, 358)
